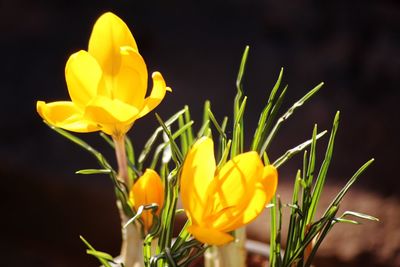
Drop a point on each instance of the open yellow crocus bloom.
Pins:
(147, 190)
(107, 84)
(218, 202)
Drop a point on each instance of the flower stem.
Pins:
(131, 248)
(120, 152)
(229, 255)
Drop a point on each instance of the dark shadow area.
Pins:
(352, 46)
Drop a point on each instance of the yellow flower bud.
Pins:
(147, 190)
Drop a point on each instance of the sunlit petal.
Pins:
(108, 35)
(270, 181)
(197, 173)
(157, 94)
(82, 74)
(235, 180)
(106, 111)
(130, 83)
(210, 236)
(263, 192)
(66, 115)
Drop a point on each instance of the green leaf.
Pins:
(108, 140)
(291, 152)
(341, 220)
(352, 180)
(359, 215)
(292, 238)
(216, 124)
(287, 115)
(150, 142)
(259, 132)
(238, 128)
(103, 257)
(189, 132)
(176, 153)
(320, 182)
(99, 254)
(94, 171)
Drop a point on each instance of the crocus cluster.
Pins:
(107, 85)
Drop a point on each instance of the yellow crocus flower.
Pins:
(147, 190)
(107, 84)
(220, 201)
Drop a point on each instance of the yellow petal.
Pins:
(66, 115)
(106, 111)
(129, 84)
(197, 173)
(270, 181)
(156, 96)
(147, 190)
(82, 74)
(108, 35)
(209, 235)
(235, 177)
(264, 191)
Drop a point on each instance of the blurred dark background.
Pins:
(353, 46)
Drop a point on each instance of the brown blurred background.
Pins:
(353, 46)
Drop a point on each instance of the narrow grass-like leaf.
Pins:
(206, 117)
(341, 220)
(150, 142)
(183, 236)
(100, 255)
(161, 147)
(287, 115)
(275, 259)
(242, 68)
(311, 162)
(271, 118)
(321, 236)
(104, 258)
(108, 140)
(203, 128)
(216, 124)
(352, 180)
(265, 114)
(291, 152)
(189, 132)
(238, 108)
(176, 153)
(134, 173)
(291, 240)
(183, 137)
(225, 155)
(320, 182)
(308, 174)
(359, 215)
(222, 141)
(315, 229)
(94, 171)
(120, 188)
(238, 128)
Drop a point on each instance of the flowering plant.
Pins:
(222, 184)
